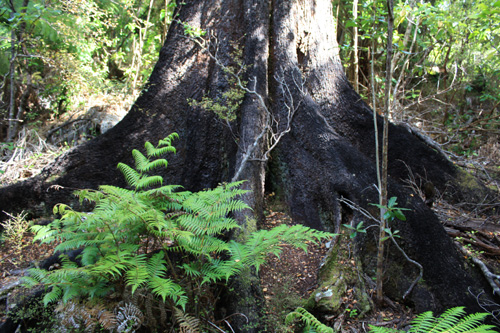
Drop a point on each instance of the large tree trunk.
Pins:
(328, 153)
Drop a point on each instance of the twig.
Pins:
(364, 212)
(493, 279)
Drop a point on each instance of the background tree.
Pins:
(59, 53)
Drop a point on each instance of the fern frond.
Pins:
(155, 164)
(137, 272)
(118, 192)
(89, 195)
(70, 293)
(43, 233)
(156, 264)
(192, 269)
(167, 288)
(90, 255)
(167, 141)
(186, 322)
(131, 176)
(140, 160)
(472, 324)
(149, 181)
(203, 245)
(448, 322)
(149, 148)
(52, 296)
(307, 318)
(159, 151)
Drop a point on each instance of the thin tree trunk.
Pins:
(12, 100)
(385, 154)
(355, 39)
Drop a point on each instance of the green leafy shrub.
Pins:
(451, 321)
(157, 239)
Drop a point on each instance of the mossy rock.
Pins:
(339, 284)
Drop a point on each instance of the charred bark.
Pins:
(293, 62)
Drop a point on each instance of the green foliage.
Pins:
(194, 32)
(132, 236)
(311, 322)
(33, 316)
(451, 321)
(391, 211)
(227, 104)
(66, 51)
(355, 230)
(14, 229)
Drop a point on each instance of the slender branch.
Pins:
(385, 148)
(493, 279)
(365, 213)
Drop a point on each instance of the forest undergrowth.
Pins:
(474, 231)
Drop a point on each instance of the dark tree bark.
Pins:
(328, 153)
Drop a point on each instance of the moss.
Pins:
(339, 285)
(55, 177)
(467, 180)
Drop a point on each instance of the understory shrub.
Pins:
(156, 246)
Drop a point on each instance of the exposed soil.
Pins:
(288, 281)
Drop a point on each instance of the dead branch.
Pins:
(493, 279)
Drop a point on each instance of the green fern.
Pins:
(451, 321)
(132, 236)
(311, 322)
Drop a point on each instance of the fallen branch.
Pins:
(471, 239)
(493, 279)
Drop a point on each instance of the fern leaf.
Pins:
(167, 141)
(137, 272)
(44, 234)
(471, 324)
(162, 151)
(167, 288)
(140, 160)
(131, 176)
(155, 164)
(150, 149)
(149, 181)
(52, 295)
(156, 264)
(90, 255)
(186, 322)
(192, 269)
(448, 322)
(447, 319)
(307, 318)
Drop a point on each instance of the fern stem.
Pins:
(176, 277)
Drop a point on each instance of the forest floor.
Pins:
(288, 281)
(291, 279)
